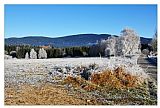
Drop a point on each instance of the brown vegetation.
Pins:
(79, 82)
(44, 95)
(117, 78)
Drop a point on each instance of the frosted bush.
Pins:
(110, 46)
(42, 54)
(33, 54)
(137, 71)
(7, 57)
(13, 52)
(27, 56)
(130, 65)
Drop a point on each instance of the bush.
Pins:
(117, 78)
(33, 54)
(79, 82)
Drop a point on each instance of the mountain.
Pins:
(145, 40)
(66, 41)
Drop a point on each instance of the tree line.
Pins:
(27, 51)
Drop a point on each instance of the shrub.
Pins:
(27, 55)
(117, 78)
(42, 54)
(79, 82)
(33, 54)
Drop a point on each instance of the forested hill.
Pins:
(66, 41)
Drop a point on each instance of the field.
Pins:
(78, 81)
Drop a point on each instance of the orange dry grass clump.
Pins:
(76, 81)
(117, 78)
(80, 82)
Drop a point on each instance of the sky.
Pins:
(63, 20)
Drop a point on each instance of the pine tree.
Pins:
(42, 54)
(27, 56)
(33, 54)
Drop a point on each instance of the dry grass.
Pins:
(79, 82)
(117, 78)
(44, 95)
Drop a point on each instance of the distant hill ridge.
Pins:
(66, 41)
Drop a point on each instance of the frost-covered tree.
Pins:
(128, 43)
(110, 46)
(84, 53)
(154, 42)
(107, 52)
(102, 46)
(27, 56)
(33, 54)
(42, 54)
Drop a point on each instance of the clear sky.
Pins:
(63, 20)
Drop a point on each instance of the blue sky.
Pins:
(63, 20)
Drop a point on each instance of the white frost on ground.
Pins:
(36, 70)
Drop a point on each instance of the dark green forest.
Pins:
(19, 51)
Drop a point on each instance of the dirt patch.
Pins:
(44, 95)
